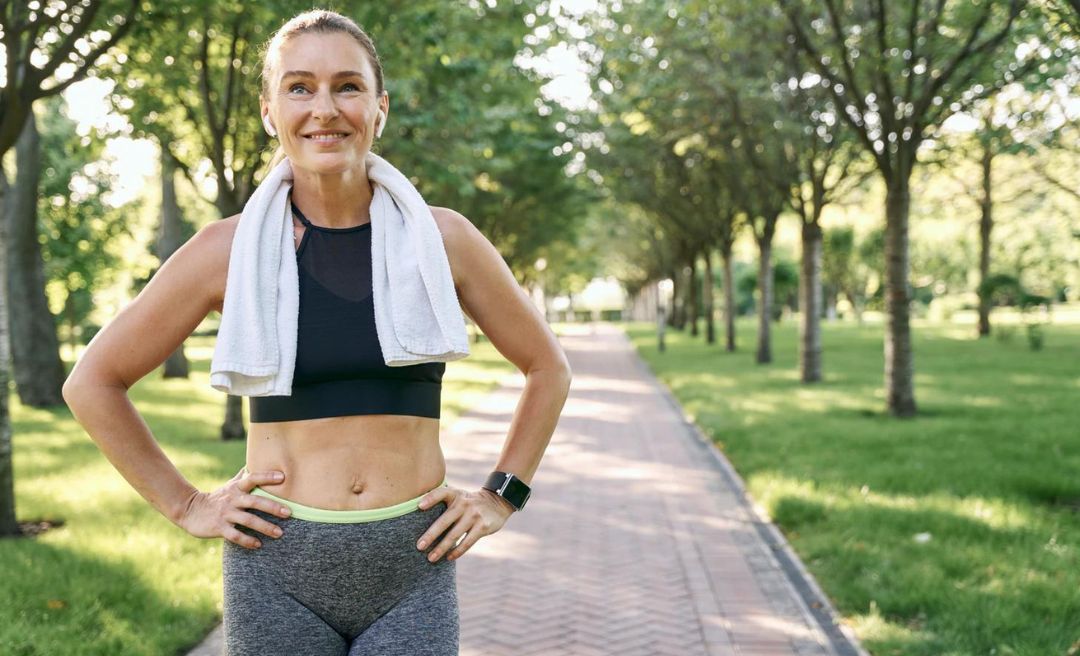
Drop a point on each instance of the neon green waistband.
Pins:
(312, 514)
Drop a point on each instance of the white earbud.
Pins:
(382, 124)
(269, 126)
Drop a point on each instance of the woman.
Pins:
(340, 538)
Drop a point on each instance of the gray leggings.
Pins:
(351, 583)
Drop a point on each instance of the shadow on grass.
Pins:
(104, 608)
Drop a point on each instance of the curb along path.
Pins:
(638, 540)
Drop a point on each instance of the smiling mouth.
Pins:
(326, 138)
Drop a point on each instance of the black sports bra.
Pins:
(339, 364)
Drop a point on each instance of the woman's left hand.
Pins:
(472, 514)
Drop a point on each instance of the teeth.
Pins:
(326, 137)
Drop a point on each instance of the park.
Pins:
(815, 265)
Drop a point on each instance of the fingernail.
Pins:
(421, 544)
(279, 475)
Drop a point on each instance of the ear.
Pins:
(384, 108)
(267, 125)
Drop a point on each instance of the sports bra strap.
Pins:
(299, 214)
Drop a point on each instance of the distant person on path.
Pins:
(344, 474)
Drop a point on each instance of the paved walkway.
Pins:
(638, 539)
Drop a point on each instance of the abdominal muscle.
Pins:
(357, 462)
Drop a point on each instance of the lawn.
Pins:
(954, 533)
(118, 578)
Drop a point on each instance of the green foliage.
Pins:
(77, 229)
(465, 122)
(785, 286)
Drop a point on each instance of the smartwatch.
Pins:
(509, 487)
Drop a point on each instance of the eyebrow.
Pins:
(310, 74)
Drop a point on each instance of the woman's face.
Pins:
(324, 82)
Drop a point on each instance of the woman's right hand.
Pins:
(211, 515)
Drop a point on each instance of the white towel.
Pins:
(418, 317)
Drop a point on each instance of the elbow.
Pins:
(70, 391)
(74, 389)
(566, 374)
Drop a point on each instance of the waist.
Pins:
(349, 463)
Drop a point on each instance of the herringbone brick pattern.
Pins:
(630, 545)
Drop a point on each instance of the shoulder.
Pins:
(452, 224)
(460, 238)
(213, 244)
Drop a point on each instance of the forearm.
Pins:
(108, 416)
(535, 417)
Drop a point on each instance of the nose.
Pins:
(324, 105)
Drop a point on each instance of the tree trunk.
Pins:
(679, 297)
(810, 300)
(856, 307)
(729, 298)
(765, 287)
(899, 359)
(39, 372)
(692, 294)
(986, 224)
(676, 304)
(170, 238)
(232, 428)
(8, 525)
(707, 292)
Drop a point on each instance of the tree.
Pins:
(39, 372)
(898, 70)
(76, 36)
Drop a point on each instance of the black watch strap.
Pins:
(509, 487)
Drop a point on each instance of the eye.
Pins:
(296, 86)
(350, 84)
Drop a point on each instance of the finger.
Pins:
(255, 523)
(248, 483)
(471, 536)
(445, 520)
(241, 538)
(435, 496)
(266, 505)
(449, 541)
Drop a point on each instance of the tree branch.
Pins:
(91, 58)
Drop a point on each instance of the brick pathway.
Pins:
(638, 539)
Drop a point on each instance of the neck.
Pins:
(339, 200)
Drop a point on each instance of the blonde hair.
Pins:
(318, 21)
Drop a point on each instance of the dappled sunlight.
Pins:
(770, 489)
(874, 628)
(511, 545)
(612, 412)
(757, 405)
(769, 624)
(1030, 380)
(982, 401)
(587, 383)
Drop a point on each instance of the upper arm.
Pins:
(492, 297)
(147, 330)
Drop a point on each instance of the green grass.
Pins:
(118, 578)
(990, 469)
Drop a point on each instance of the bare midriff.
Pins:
(357, 462)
